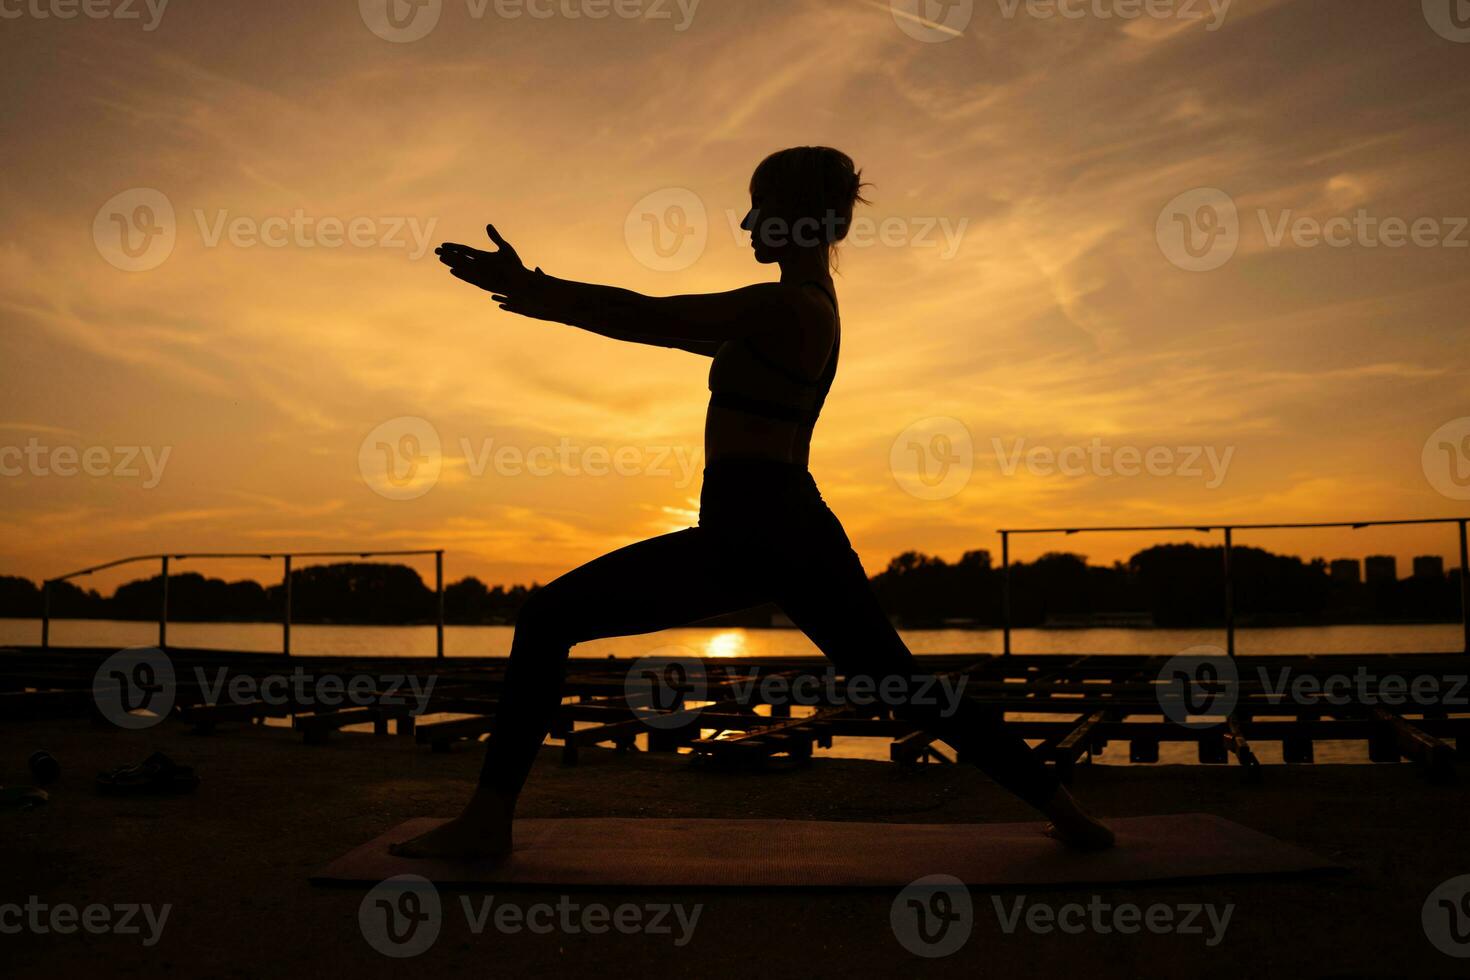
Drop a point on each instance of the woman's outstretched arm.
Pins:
(697, 322)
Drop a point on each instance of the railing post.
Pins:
(1465, 586)
(286, 612)
(163, 610)
(439, 592)
(1005, 589)
(46, 614)
(1229, 597)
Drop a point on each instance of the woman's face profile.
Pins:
(759, 243)
(769, 233)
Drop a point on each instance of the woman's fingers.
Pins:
(468, 277)
(500, 243)
(462, 252)
(462, 260)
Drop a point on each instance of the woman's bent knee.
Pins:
(542, 622)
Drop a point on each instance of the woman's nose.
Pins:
(748, 222)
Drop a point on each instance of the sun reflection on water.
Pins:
(729, 643)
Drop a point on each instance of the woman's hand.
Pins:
(500, 271)
(533, 300)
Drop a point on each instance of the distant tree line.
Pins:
(1175, 585)
(349, 592)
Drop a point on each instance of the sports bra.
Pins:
(742, 379)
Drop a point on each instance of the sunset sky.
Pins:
(1024, 286)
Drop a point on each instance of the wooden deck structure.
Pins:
(1405, 707)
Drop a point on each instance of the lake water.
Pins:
(463, 641)
(492, 641)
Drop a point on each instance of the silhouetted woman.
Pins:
(764, 532)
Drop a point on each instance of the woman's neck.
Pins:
(805, 266)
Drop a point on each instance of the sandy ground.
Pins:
(232, 862)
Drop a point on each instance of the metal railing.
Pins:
(286, 557)
(1229, 530)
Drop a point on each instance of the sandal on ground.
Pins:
(25, 797)
(155, 774)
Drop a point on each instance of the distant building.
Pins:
(1346, 570)
(1429, 566)
(1381, 568)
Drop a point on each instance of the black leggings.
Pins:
(764, 535)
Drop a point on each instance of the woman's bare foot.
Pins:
(1073, 826)
(481, 833)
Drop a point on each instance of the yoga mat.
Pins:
(635, 852)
